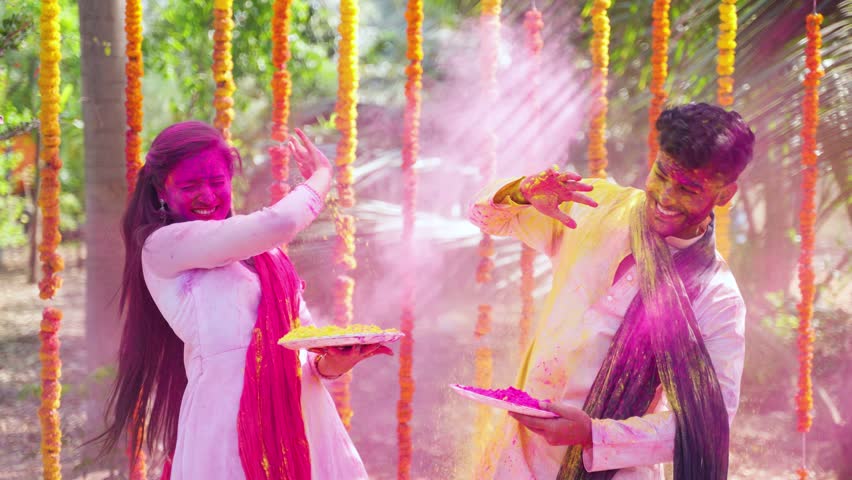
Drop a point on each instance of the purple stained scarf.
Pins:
(659, 343)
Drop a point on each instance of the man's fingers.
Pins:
(576, 185)
(584, 199)
(570, 177)
(529, 421)
(564, 218)
(562, 409)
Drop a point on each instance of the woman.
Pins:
(206, 295)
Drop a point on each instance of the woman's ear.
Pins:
(726, 194)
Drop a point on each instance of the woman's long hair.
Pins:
(151, 377)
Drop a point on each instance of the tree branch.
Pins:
(12, 132)
(11, 34)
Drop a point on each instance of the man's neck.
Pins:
(683, 241)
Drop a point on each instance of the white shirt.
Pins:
(576, 326)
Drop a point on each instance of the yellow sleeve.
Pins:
(510, 219)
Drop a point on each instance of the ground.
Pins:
(764, 445)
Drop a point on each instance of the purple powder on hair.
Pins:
(511, 394)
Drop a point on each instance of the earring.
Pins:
(162, 205)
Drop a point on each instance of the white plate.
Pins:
(341, 340)
(502, 404)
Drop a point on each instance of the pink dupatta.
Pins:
(271, 430)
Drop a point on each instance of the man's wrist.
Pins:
(517, 195)
(512, 191)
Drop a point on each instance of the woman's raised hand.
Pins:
(312, 163)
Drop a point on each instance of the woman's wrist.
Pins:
(320, 182)
(317, 360)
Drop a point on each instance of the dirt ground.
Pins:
(764, 446)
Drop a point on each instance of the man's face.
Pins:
(679, 200)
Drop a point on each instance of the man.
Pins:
(643, 312)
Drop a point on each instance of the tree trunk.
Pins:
(102, 44)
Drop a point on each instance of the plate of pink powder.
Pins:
(510, 399)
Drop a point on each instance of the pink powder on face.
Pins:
(511, 394)
(199, 188)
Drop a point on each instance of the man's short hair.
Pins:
(699, 135)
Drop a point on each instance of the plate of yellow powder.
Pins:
(311, 336)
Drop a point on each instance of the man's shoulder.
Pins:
(721, 287)
(611, 195)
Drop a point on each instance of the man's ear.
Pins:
(726, 194)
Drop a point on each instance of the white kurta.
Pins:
(210, 299)
(576, 326)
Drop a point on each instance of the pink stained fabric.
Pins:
(272, 440)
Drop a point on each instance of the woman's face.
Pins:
(199, 188)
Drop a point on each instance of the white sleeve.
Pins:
(213, 243)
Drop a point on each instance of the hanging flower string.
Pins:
(600, 61)
(727, 45)
(659, 70)
(223, 64)
(533, 24)
(807, 227)
(134, 71)
(346, 122)
(48, 200)
(490, 24)
(51, 390)
(281, 88)
(410, 151)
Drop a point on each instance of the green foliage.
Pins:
(20, 103)
(12, 207)
(178, 48)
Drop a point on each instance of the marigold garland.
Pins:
(807, 225)
(138, 469)
(490, 24)
(281, 88)
(600, 59)
(727, 45)
(533, 24)
(48, 82)
(134, 70)
(223, 64)
(659, 71)
(48, 412)
(48, 199)
(346, 122)
(528, 255)
(410, 151)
